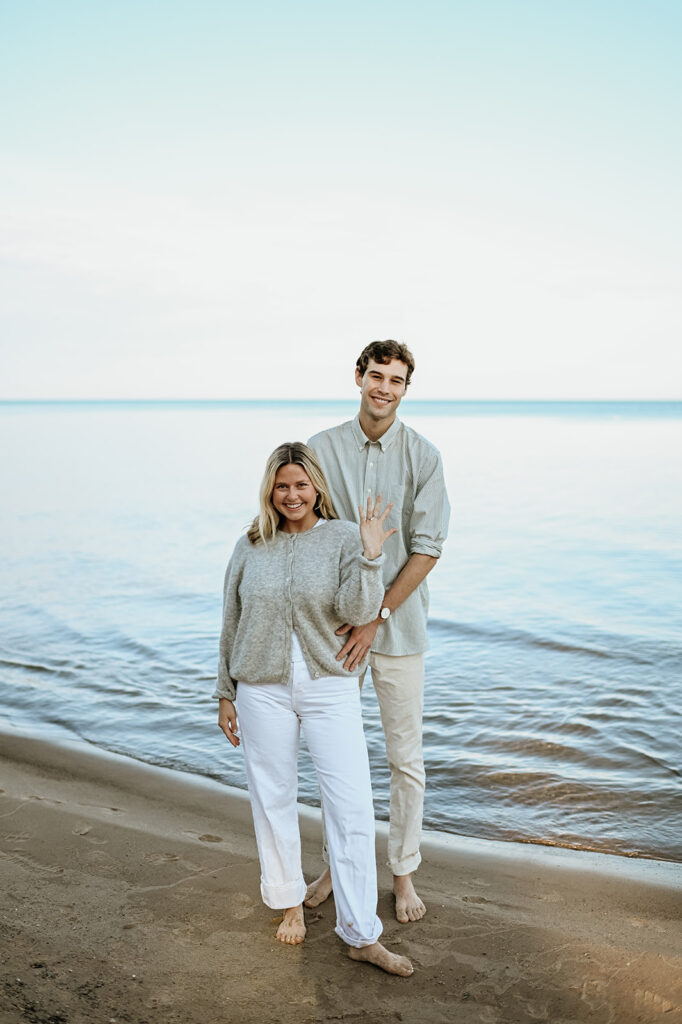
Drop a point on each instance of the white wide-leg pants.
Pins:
(399, 686)
(270, 719)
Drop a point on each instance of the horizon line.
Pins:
(61, 400)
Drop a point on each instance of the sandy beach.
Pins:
(130, 894)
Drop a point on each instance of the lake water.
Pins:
(554, 675)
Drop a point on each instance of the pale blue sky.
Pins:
(218, 200)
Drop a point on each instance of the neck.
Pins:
(299, 526)
(374, 429)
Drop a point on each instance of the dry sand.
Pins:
(130, 894)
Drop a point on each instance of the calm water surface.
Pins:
(554, 678)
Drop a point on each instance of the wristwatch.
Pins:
(384, 613)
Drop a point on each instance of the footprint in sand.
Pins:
(641, 922)
(102, 863)
(101, 807)
(652, 999)
(241, 905)
(161, 858)
(205, 838)
(84, 831)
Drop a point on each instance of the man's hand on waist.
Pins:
(358, 644)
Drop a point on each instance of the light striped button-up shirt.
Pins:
(403, 467)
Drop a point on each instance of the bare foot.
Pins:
(408, 906)
(292, 928)
(379, 956)
(318, 890)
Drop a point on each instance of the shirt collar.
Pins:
(384, 441)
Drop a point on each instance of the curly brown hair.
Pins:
(384, 352)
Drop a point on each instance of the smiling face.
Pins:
(294, 497)
(382, 386)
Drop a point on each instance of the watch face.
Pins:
(385, 612)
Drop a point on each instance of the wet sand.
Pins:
(130, 894)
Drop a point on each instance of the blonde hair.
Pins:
(267, 522)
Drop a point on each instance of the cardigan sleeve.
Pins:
(361, 586)
(226, 685)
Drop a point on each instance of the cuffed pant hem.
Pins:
(355, 941)
(278, 897)
(405, 867)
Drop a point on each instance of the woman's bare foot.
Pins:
(318, 890)
(292, 929)
(408, 906)
(379, 956)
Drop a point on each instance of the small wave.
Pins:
(615, 649)
(61, 669)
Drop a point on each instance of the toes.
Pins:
(406, 913)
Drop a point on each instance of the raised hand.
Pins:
(372, 527)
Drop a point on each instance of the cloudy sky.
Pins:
(212, 199)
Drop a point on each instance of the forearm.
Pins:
(361, 638)
(415, 570)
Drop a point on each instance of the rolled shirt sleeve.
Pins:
(431, 511)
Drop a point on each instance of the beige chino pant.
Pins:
(399, 686)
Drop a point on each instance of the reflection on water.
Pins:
(552, 709)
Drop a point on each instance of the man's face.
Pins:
(381, 388)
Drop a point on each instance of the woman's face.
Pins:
(294, 497)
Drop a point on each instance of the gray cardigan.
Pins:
(311, 583)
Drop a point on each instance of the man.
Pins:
(375, 454)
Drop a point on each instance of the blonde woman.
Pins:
(293, 579)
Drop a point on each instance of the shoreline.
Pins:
(443, 849)
(514, 849)
(131, 893)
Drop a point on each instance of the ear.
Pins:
(358, 377)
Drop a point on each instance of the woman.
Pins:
(293, 579)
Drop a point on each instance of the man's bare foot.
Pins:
(408, 906)
(318, 890)
(379, 956)
(292, 928)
